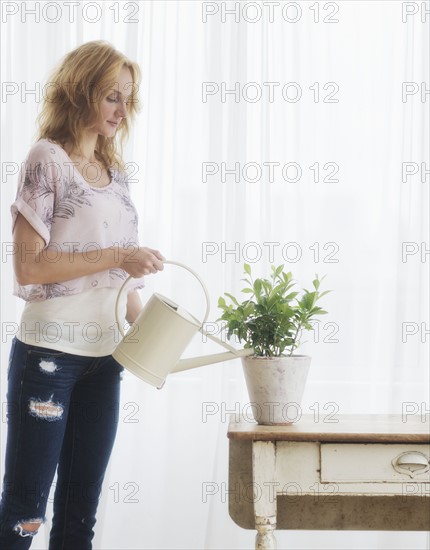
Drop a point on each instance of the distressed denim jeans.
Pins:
(62, 411)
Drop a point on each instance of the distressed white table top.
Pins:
(354, 428)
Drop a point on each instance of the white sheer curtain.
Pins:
(370, 354)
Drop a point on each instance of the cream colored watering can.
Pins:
(153, 346)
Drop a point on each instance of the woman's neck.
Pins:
(85, 149)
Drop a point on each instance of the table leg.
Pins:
(265, 538)
(263, 468)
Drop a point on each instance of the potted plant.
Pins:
(272, 321)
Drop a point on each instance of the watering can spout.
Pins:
(194, 362)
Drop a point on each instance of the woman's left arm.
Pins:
(134, 306)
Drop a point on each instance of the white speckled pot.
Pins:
(275, 386)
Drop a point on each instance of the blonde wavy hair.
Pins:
(73, 94)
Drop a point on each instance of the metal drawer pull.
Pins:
(411, 463)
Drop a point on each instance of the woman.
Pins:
(75, 235)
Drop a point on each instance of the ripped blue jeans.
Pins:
(62, 411)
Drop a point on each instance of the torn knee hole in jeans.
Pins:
(28, 528)
(47, 410)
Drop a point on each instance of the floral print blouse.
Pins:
(72, 216)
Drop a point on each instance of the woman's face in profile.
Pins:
(113, 106)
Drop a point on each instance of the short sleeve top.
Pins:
(72, 216)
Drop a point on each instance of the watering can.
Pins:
(152, 347)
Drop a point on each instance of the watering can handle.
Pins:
(205, 290)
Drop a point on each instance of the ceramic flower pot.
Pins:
(275, 387)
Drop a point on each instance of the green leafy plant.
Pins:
(272, 319)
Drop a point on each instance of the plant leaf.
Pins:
(232, 298)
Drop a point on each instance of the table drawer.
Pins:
(344, 462)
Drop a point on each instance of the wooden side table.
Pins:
(358, 472)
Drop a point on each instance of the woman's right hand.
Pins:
(143, 261)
